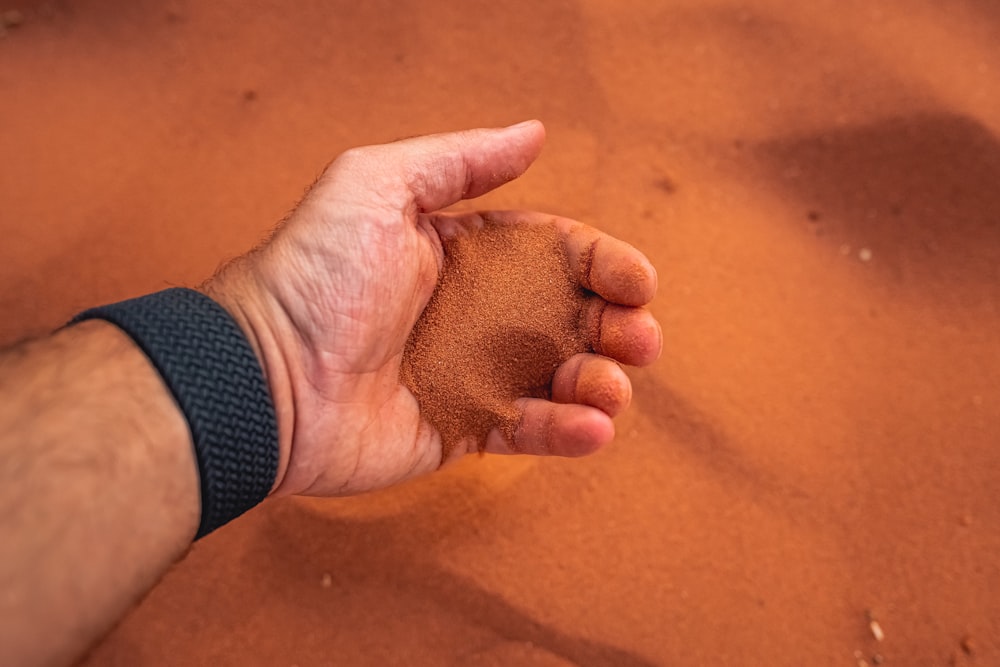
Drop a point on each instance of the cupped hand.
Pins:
(329, 301)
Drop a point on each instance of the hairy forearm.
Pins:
(98, 489)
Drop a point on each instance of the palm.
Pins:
(353, 306)
(330, 302)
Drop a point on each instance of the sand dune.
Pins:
(817, 184)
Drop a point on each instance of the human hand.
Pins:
(329, 302)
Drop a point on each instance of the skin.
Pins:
(98, 480)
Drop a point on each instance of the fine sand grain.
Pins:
(505, 315)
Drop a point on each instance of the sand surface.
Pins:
(818, 185)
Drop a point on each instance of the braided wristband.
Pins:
(212, 372)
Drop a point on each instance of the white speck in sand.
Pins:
(865, 254)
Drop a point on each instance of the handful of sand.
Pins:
(505, 315)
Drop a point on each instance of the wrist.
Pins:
(206, 361)
(249, 310)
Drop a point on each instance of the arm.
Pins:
(98, 489)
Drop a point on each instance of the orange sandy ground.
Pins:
(818, 443)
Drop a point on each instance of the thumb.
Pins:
(437, 170)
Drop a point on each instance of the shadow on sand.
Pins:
(377, 553)
(921, 192)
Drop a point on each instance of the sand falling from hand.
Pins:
(505, 315)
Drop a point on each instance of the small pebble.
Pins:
(865, 254)
(968, 645)
(876, 629)
(877, 659)
(327, 580)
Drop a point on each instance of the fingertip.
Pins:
(606, 387)
(647, 339)
(622, 274)
(593, 380)
(530, 139)
(609, 267)
(532, 126)
(630, 335)
(647, 281)
(554, 429)
(580, 430)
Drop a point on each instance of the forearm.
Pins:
(98, 489)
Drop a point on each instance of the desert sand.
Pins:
(814, 461)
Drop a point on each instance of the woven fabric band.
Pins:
(216, 379)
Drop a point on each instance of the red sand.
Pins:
(819, 442)
(506, 313)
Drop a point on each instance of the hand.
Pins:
(329, 302)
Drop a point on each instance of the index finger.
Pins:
(609, 267)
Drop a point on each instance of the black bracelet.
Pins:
(216, 379)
